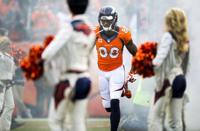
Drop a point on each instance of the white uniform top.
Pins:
(168, 61)
(7, 66)
(69, 50)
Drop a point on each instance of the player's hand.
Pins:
(131, 78)
(126, 92)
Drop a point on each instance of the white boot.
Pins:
(6, 116)
(79, 115)
(156, 116)
(175, 115)
(69, 107)
(53, 120)
(2, 99)
(57, 117)
(1, 102)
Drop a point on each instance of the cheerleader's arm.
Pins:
(163, 49)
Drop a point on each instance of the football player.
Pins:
(110, 41)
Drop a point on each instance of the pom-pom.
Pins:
(32, 65)
(142, 62)
(48, 40)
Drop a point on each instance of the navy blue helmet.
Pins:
(107, 18)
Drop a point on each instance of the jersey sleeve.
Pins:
(126, 35)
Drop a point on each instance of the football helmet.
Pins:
(107, 18)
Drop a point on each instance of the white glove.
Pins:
(131, 78)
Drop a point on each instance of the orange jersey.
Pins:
(110, 49)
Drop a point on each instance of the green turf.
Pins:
(41, 125)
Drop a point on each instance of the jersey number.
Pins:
(114, 52)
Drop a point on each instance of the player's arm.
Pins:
(131, 47)
(128, 42)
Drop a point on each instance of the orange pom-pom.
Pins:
(48, 40)
(32, 65)
(142, 62)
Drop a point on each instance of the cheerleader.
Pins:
(170, 65)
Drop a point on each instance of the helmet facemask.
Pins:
(107, 22)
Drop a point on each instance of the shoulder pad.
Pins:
(97, 30)
(123, 29)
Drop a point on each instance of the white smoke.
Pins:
(193, 107)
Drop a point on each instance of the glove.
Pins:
(126, 92)
(131, 78)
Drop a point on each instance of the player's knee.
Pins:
(178, 86)
(82, 88)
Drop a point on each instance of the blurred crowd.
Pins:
(28, 21)
(32, 20)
